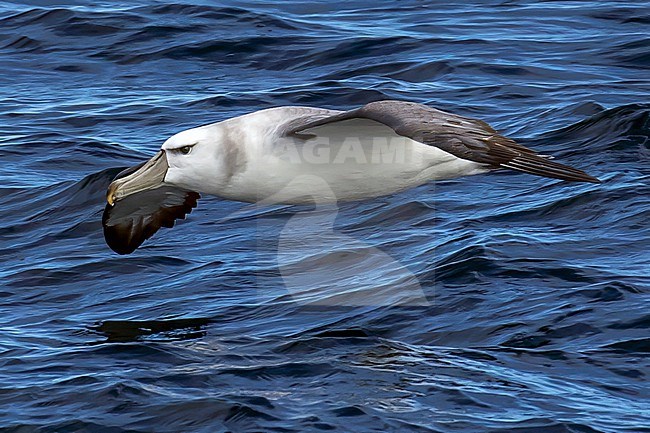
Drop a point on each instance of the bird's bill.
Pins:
(151, 175)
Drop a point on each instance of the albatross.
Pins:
(297, 155)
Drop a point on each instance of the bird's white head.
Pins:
(199, 159)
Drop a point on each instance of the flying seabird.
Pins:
(273, 155)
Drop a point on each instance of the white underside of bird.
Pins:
(350, 160)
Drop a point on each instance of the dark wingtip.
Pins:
(133, 220)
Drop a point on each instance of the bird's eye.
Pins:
(185, 149)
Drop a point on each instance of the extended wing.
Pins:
(134, 219)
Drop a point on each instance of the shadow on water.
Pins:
(122, 331)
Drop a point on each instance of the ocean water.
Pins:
(496, 303)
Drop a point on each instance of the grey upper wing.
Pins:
(134, 219)
(464, 137)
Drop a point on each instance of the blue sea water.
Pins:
(496, 303)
